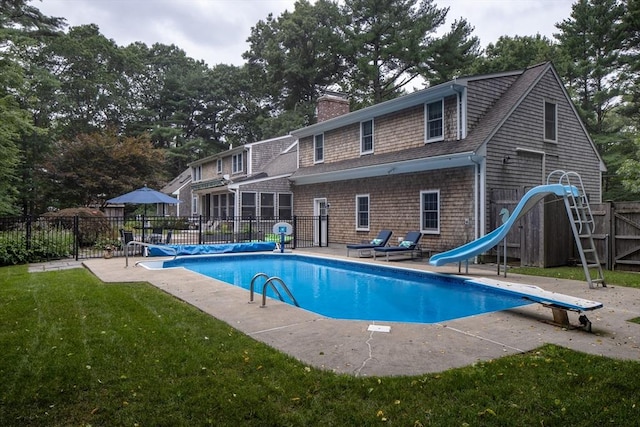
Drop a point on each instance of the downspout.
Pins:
(479, 198)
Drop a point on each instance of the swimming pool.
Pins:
(354, 290)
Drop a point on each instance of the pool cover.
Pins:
(223, 248)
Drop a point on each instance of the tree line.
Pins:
(83, 119)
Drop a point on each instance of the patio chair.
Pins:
(365, 248)
(408, 246)
(126, 237)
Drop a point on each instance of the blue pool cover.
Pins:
(223, 248)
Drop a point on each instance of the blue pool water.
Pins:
(354, 290)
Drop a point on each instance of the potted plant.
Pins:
(108, 246)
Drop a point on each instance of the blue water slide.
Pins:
(488, 241)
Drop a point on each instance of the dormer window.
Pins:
(434, 118)
(550, 121)
(236, 163)
(366, 137)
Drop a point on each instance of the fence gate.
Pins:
(625, 229)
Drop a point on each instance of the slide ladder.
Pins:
(582, 225)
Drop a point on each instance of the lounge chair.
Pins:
(408, 246)
(380, 241)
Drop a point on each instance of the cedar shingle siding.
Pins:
(499, 152)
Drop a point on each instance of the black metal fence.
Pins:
(27, 239)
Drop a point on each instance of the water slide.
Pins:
(488, 241)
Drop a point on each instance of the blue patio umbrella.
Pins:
(144, 196)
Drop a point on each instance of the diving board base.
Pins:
(560, 304)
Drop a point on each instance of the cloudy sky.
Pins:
(216, 30)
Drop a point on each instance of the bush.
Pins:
(44, 246)
(93, 224)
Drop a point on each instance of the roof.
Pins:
(431, 155)
(178, 182)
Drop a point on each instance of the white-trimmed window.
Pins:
(248, 208)
(236, 163)
(219, 165)
(430, 211)
(194, 205)
(366, 137)
(318, 148)
(285, 206)
(434, 119)
(362, 212)
(267, 205)
(196, 173)
(550, 121)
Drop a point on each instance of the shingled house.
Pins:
(445, 160)
(250, 180)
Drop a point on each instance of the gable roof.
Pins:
(432, 155)
(177, 183)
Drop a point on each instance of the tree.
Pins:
(592, 39)
(513, 53)
(296, 57)
(387, 42)
(91, 168)
(452, 55)
(23, 29)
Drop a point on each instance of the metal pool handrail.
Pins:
(270, 281)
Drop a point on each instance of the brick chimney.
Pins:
(330, 105)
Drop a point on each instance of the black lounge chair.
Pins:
(408, 246)
(380, 241)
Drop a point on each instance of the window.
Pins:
(430, 212)
(366, 137)
(285, 206)
(435, 121)
(196, 173)
(267, 205)
(550, 121)
(219, 165)
(248, 208)
(362, 212)
(194, 205)
(236, 163)
(318, 148)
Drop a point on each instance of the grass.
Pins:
(76, 351)
(618, 278)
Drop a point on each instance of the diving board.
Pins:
(559, 303)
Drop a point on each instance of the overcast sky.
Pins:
(216, 30)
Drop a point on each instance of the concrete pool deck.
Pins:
(346, 346)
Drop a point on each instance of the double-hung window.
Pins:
(430, 212)
(362, 212)
(318, 148)
(366, 137)
(219, 165)
(196, 173)
(434, 121)
(236, 163)
(550, 121)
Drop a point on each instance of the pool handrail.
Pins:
(286, 289)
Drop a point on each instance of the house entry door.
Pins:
(320, 229)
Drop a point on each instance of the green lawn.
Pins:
(617, 278)
(77, 352)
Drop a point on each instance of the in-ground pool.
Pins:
(344, 289)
